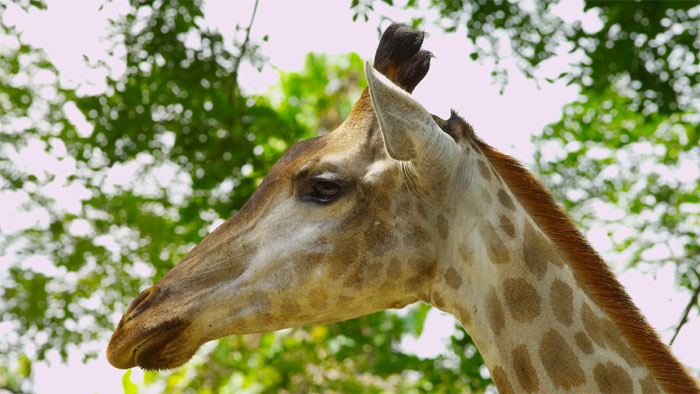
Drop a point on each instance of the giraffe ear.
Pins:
(410, 132)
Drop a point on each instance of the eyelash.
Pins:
(322, 191)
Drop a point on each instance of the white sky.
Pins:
(506, 121)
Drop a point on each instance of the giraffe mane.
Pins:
(592, 271)
(401, 60)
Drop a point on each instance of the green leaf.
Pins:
(127, 385)
(25, 366)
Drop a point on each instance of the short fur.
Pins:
(593, 272)
(154, 339)
(455, 127)
(399, 57)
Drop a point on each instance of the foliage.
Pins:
(178, 123)
(359, 355)
(631, 140)
(14, 373)
(652, 44)
(320, 96)
(633, 173)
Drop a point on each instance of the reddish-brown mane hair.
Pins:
(592, 271)
(400, 58)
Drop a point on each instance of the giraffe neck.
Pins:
(535, 324)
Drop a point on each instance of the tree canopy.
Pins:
(178, 122)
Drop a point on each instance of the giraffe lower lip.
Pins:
(165, 348)
(117, 351)
(140, 349)
(114, 357)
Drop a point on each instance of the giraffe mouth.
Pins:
(161, 347)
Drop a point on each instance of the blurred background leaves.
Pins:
(177, 122)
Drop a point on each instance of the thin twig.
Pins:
(244, 46)
(234, 74)
(693, 301)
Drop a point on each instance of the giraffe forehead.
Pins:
(378, 170)
(349, 150)
(350, 136)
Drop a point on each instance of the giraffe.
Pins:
(394, 206)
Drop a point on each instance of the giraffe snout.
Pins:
(141, 303)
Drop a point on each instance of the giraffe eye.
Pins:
(323, 188)
(324, 191)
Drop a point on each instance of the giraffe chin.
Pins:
(164, 353)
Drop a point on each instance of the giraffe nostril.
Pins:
(141, 302)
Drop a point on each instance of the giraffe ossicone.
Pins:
(394, 206)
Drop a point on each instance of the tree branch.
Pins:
(244, 46)
(234, 114)
(693, 301)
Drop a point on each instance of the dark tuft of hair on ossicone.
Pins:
(400, 58)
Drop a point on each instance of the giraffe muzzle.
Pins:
(140, 303)
(142, 339)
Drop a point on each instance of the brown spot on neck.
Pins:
(522, 300)
(494, 313)
(505, 200)
(583, 342)
(612, 379)
(452, 278)
(501, 379)
(560, 362)
(484, 170)
(592, 270)
(561, 298)
(507, 226)
(496, 250)
(524, 371)
(590, 323)
(536, 251)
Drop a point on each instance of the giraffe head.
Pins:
(339, 228)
